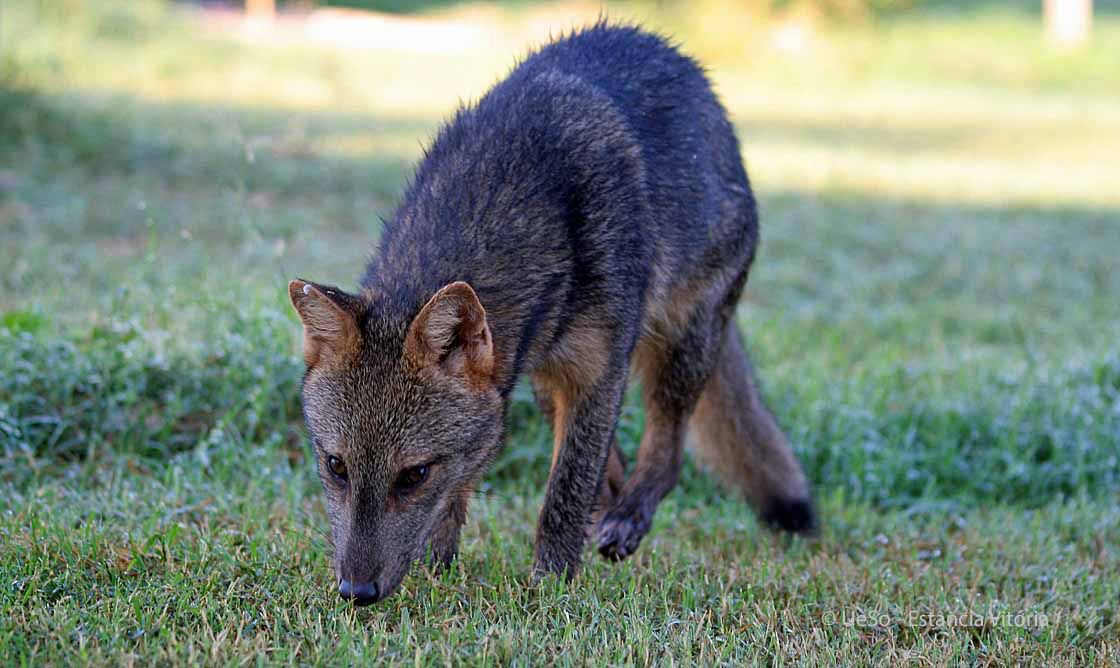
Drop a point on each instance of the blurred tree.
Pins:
(1068, 21)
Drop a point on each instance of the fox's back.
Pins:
(599, 175)
(688, 148)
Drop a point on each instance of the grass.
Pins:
(933, 314)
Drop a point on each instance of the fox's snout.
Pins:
(360, 593)
(362, 579)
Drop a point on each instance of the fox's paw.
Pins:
(620, 534)
(792, 515)
(544, 568)
(558, 553)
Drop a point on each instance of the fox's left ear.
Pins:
(330, 324)
(451, 331)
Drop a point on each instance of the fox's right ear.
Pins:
(330, 327)
(451, 332)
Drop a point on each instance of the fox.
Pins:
(586, 221)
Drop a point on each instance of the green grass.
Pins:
(934, 315)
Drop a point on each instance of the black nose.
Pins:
(360, 594)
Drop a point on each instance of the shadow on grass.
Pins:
(896, 432)
(84, 169)
(195, 144)
(897, 139)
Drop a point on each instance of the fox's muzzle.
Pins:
(360, 594)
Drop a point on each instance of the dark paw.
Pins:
(619, 536)
(544, 566)
(793, 515)
(443, 560)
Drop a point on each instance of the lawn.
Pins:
(934, 313)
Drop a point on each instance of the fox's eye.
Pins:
(336, 466)
(411, 478)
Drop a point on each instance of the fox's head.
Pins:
(404, 418)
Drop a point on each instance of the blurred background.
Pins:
(935, 298)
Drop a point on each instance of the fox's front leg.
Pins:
(587, 418)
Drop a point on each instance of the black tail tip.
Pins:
(792, 515)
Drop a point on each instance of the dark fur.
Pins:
(596, 203)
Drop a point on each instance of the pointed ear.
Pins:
(330, 327)
(451, 331)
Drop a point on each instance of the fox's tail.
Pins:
(733, 434)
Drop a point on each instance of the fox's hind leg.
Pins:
(707, 381)
(736, 436)
(673, 375)
(703, 380)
